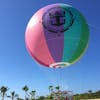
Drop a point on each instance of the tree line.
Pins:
(31, 95)
(88, 95)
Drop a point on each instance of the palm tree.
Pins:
(50, 89)
(32, 93)
(89, 93)
(58, 91)
(51, 92)
(3, 91)
(25, 88)
(57, 88)
(13, 95)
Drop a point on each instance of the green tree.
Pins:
(25, 89)
(50, 89)
(3, 91)
(13, 95)
(58, 91)
(32, 93)
(57, 88)
(90, 93)
(41, 98)
(19, 98)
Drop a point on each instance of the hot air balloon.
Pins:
(57, 35)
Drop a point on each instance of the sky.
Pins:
(17, 68)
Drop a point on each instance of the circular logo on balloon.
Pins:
(57, 20)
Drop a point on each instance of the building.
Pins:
(63, 95)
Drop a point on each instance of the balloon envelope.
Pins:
(57, 35)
